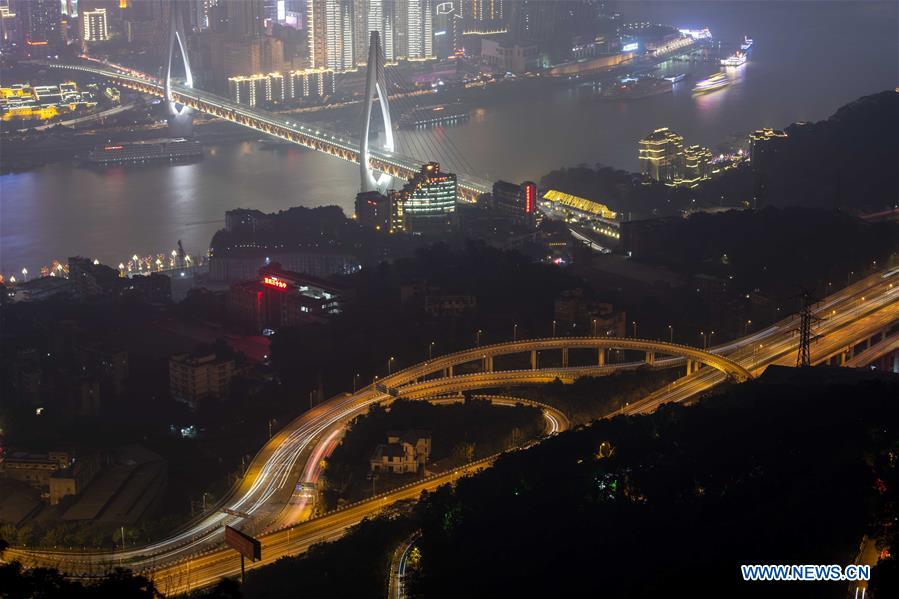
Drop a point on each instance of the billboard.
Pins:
(244, 544)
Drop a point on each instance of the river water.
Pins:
(809, 59)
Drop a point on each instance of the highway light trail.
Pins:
(270, 481)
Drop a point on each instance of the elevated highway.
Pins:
(194, 557)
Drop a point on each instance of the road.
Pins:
(84, 119)
(311, 136)
(261, 503)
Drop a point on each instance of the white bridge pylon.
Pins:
(375, 83)
(176, 33)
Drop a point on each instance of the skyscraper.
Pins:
(447, 28)
(93, 25)
(40, 20)
(482, 16)
(662, 155)
(420, 31)
(330, 30)
(428, 201)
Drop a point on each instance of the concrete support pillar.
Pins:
(564, 357)
(843, 357)
(533, 360)
(650, 358)
(601, 356)
(689, 367)
(182, 124)
(488, 364)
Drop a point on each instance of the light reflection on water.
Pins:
(795, 72)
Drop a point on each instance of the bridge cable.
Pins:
(446, 139)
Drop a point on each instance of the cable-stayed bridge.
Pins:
(182, 98)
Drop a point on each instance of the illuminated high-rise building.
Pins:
(483, 16)
(697, 166)
(362, 10)
(201, 13)
(41, 22)
(330, 29)
(427, 203)
(93, 25)
(517, 201)
(315, 31)
(447, 28)
(420, 31)
(69, 8)
(9, 24)
(662, 155)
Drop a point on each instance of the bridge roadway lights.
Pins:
(486, 354)
(469, 190)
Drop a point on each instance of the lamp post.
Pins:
(515, 332)
(670, 334)
(355, 376)
(746, 327)
(390, 363)
(477, 338)
(554, 328)
(634, 323)
(594, 327)
(431, 349)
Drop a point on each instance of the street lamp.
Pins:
(594, 327)
(670, 334)
(554, 328)
(635, 328)
(477, 338)
(389, 363)
(514, 332)
(746, 327)
(431, 349)
(355, 376)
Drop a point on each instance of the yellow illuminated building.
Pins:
(696, 167)
(761, 136)
(22, 101)
(30, 112)
(578, 203)
(662, 155)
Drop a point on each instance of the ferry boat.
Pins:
(734, 60)
(716, 81)
(747, 43)
(635, 88)
(432, 116)
(146, 151)
(676, 78)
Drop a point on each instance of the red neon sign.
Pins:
(274, 282)
(529, 192)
